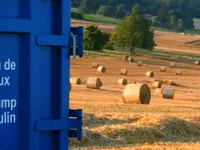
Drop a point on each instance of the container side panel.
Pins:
(65, 65)
(24, 92)
(50, 72)
(9, 9)
(9, 67)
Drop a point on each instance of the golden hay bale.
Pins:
(125, 57)
(122, 81)
(94, 83)
(179, 72)
(137, 94)
(156, 84)
(150, 74)
(130, 59)
(75, 81)
(158, 90)
(163, 69)
(139, 63)
(168, 93)
(123, 72)
(172, 65)
(95, 65)
(197, 62)
(102, 69)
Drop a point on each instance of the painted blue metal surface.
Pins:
(35, 49)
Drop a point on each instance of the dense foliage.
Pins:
(95, 39)
(135, 31)
(176, 14)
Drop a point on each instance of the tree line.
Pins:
(191, 7)
(171, 14)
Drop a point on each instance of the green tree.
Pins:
(94, 38)
(120, 13)
(163, 15)
(173, 21)
(105, 11)
(133, 32)
(89, 6)
(181, 25)
(137, 10)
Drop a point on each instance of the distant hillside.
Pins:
(152, 7)
(171, 14)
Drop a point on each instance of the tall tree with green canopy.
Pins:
(94, 38)
(137, 10)
(105, 11)
(120, 13)
(89, 6)
(135, 31)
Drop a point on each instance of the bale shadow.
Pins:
(112, 91)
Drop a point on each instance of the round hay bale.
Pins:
(139, 63)
(75, 81)
(197, 62)
(95, 65)
(179, 72)
(168, 93)
(123, 72)
(122, 82)
(130, 59)
(156, 84)
(163, 69)
(136, 94)
(94, 83)
(158, 90)
(172, 65)
(102, 69)
(150, 74)
(125, 57)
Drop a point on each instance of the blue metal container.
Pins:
(36, 42)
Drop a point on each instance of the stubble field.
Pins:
(164, 124)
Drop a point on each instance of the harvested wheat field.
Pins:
(110, 124)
